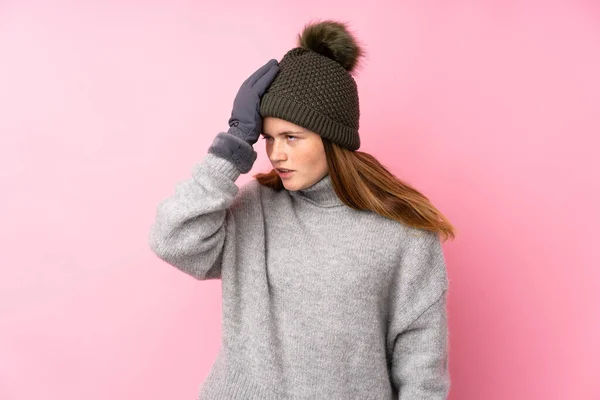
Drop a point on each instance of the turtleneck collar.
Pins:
(320, 193)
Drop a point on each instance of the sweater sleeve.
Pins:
(418, 334)
(190, 227)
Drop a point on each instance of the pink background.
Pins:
(491, 108)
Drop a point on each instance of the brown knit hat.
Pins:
(314, 87)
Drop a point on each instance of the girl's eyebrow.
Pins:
(284, 133)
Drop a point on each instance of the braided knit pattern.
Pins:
(317, 93)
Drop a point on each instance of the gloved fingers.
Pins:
(265, 81)
(259, 73)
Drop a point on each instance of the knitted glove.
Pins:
(245, 124)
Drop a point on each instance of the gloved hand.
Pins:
(245, 123)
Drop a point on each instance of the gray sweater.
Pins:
(320, 301)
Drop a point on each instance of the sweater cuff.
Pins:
(222, 166)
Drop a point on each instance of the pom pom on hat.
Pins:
(332, 39)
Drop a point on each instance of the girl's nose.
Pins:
(278, 151)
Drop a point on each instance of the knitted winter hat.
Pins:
(314, 87)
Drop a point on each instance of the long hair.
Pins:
(363, 183)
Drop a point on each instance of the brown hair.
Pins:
(363, 183)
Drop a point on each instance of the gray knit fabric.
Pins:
(320, 301)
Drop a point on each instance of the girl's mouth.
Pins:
(284, 173)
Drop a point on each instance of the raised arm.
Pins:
(191, 226)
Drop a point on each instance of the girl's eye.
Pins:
(288, 136)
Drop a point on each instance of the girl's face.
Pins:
(292, 147)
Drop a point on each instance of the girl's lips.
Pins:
(284, 174)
